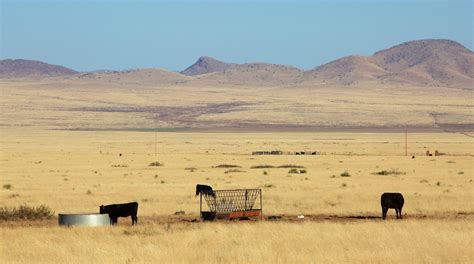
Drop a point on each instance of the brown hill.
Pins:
(428, 62)
(28, 68)
(150, 76)
(254, 73)
(206, 65)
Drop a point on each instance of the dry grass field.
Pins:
(61, 141)
(76, 171)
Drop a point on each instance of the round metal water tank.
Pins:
(86, 219)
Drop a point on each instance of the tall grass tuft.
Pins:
(26, 212)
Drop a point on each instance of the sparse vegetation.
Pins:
(265, 173)
(190, 169)
(233, 171)
(290, 166)
(89, 192)
(228, 166)
(26, 212)
(389, 172)
(119, 165)
(155, 164)
(269, 185)
(13, 195)
(262, 167)
(292, 171)
(461, 173)
(7, 186)
(345, 174)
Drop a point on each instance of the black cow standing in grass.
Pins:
(392, 200)
(120, 210)
(204, 189)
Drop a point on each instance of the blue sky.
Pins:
(91, 35)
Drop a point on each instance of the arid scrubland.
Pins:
(74, 145)
(76, 171)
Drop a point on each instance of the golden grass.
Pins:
(74, 172)
(433, 241)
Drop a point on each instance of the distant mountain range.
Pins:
(430, 62)
(28, 68)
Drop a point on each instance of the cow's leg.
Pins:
(384, 212)
(400, 211)
(134, 219)
(396, 212)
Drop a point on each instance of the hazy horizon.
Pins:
(96, 35)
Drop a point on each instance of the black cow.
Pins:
(204, 189)
(120, 210)
(392, 200)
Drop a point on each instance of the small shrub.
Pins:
(233, 171)
(438, 183)
(262, 167)
(450, 161)
(119, 165)
(162, 182)
(461, 173)
(293, 171)
(303, 171)
(228, 166)
(290, 166)
(26, 212)
(344, 185)
(88, 192)
(389, 172)
(265, 173)
(7, 186)
(306, 179)
(156, 164)
(190, 169)
(13, 195)
(345, 174)
(268, 185)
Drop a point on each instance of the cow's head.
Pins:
(102, 209)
